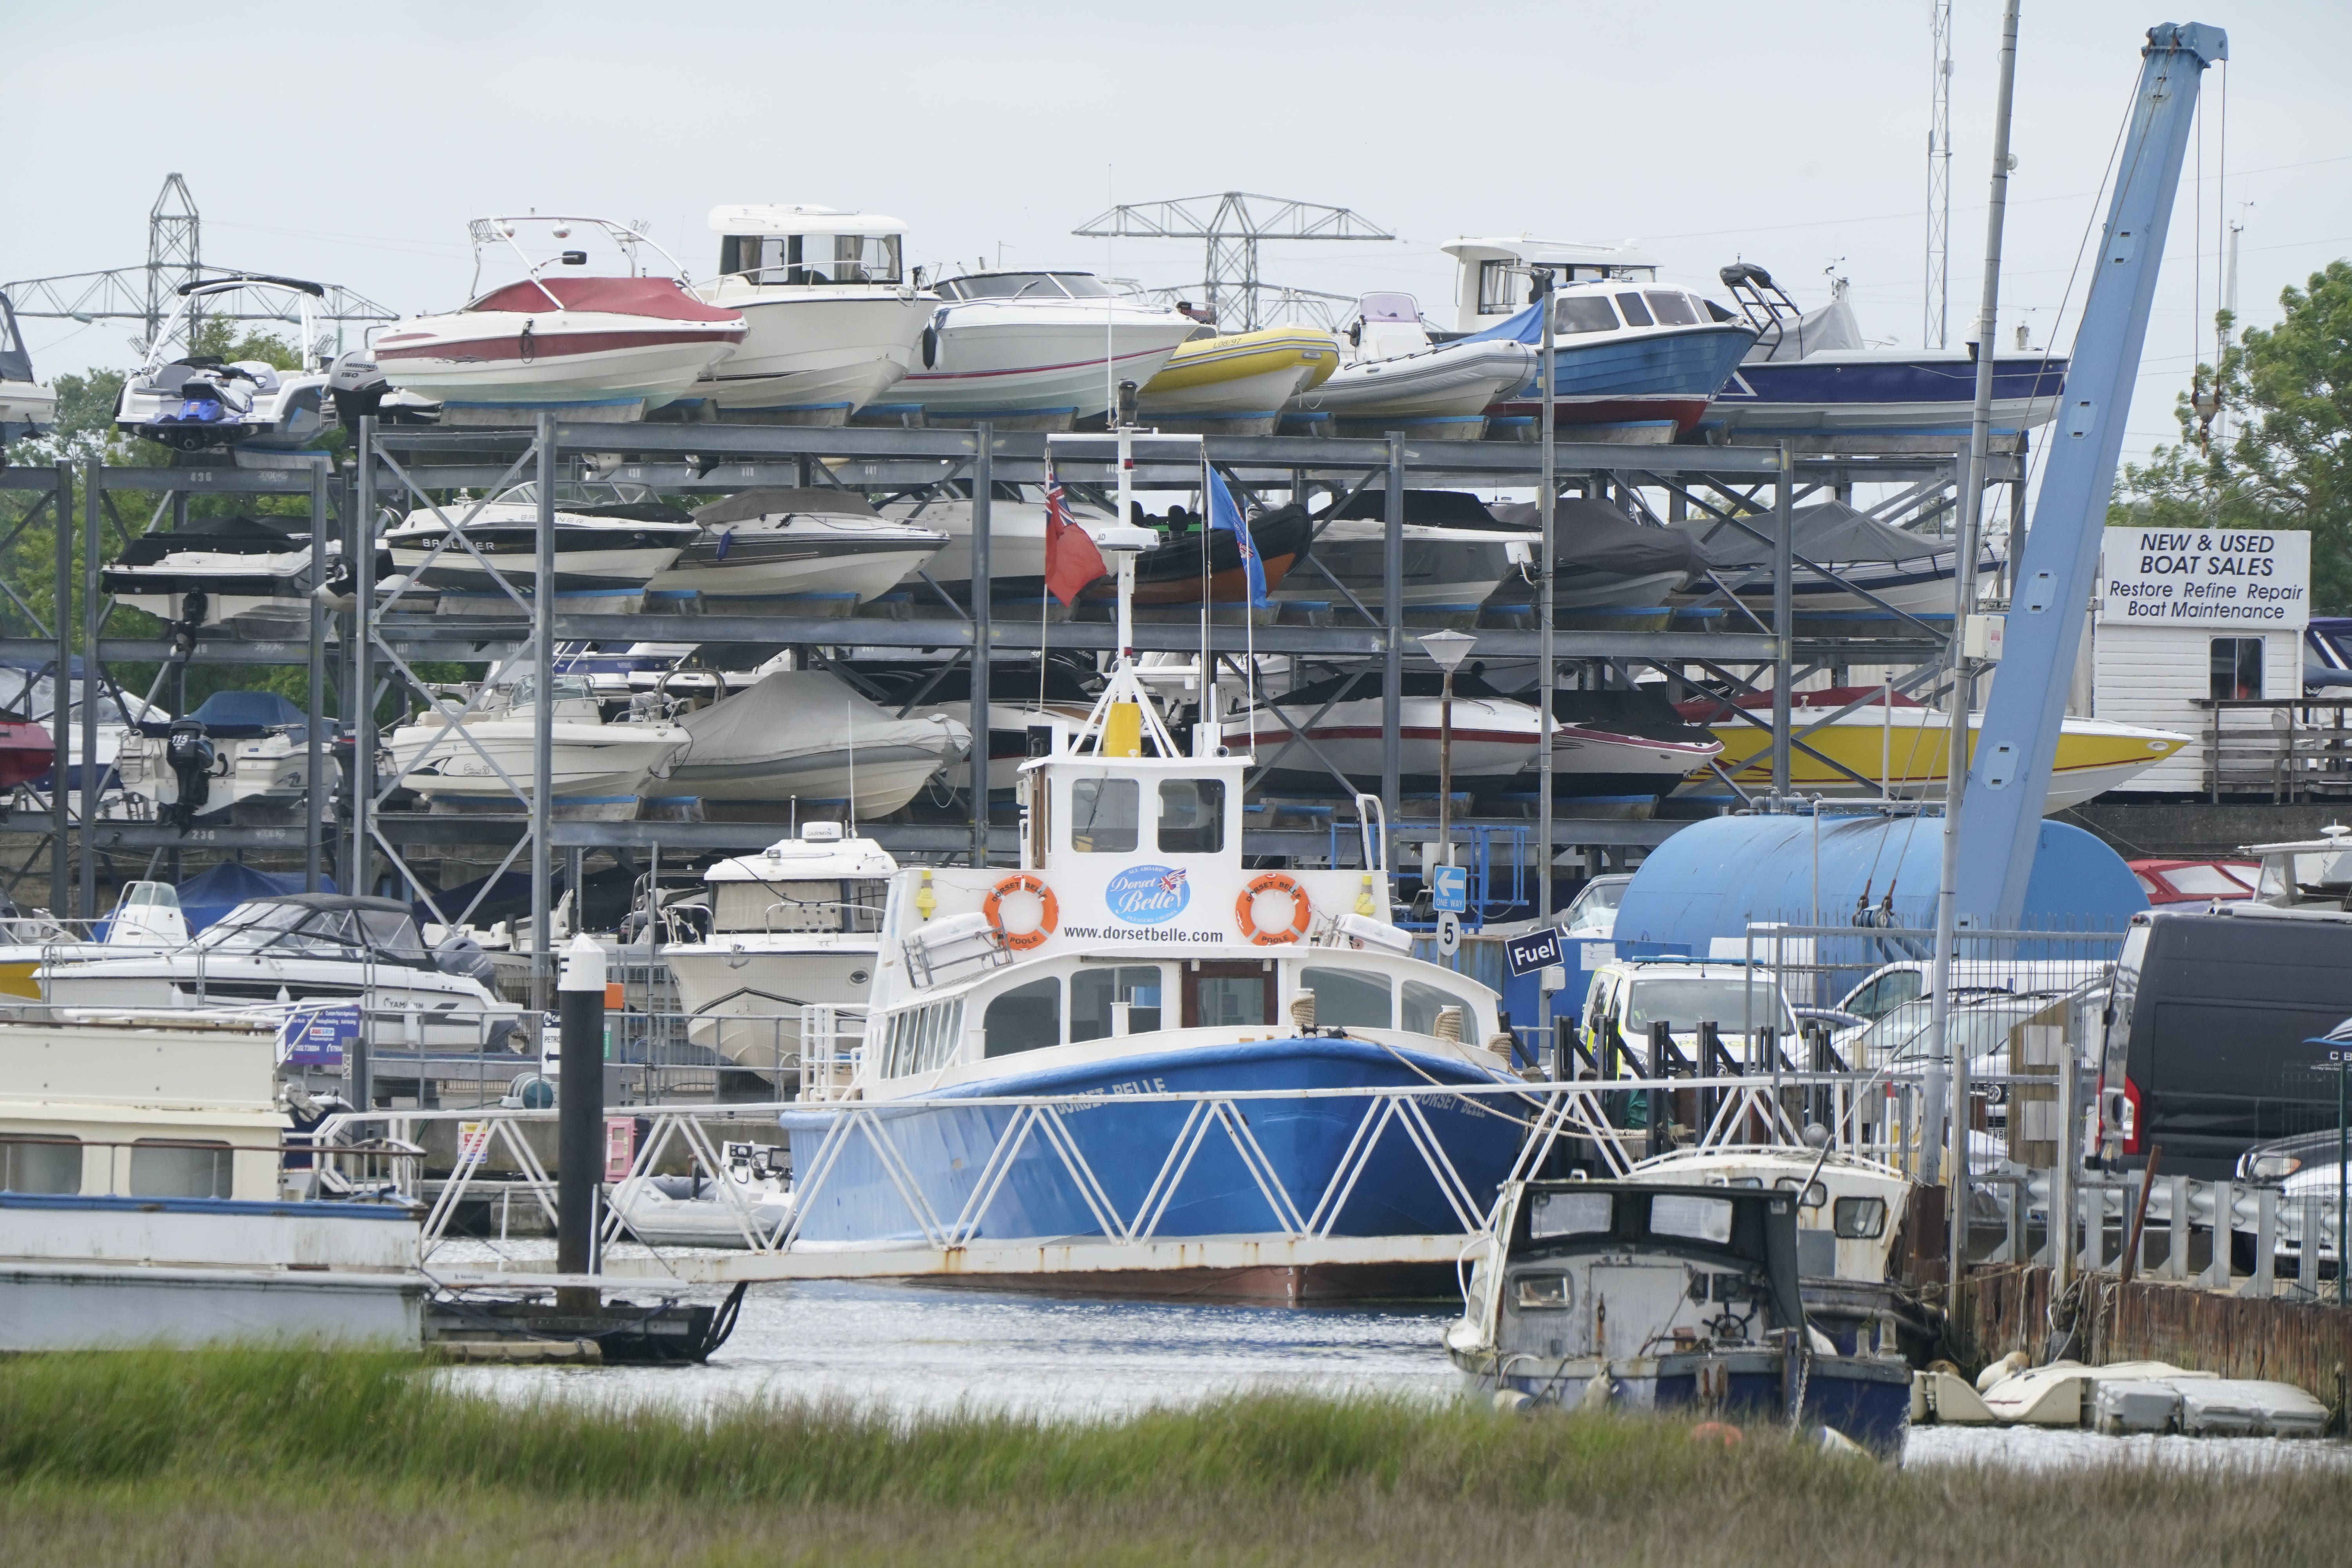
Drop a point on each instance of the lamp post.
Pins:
(1448, 649)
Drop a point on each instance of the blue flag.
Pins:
(1224, 514)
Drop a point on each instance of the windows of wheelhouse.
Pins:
(1104, 816)
(1499, 288)
(1095, 991)
(812, 258)
(1423, 1003)
(1026, 1018)
(1584, 313)
(178, 1168)
(853, 904)
(1348, 998)
(923, 1039)
(1191, 816)
(1673, 308)
(1235, 993)
(1637, 314)
(31, 1163)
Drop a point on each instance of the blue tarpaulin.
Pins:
(207, 896)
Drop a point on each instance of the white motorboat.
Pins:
(797, 923)
(758, 543)
(223, 571)
(1016, 541)
(751, 1199)
(26, 405)
(304, 947)
(1622, 743)
(26, 687)
(804, 735)
(452, 757)
(1443, 566)
(147, 916)
(831, 321)
(1044, 348)
(609, 534)
(196, 402)
(617, 344)
(238, 749)
(1494, 736)
(1898, 570)
(1394, 372)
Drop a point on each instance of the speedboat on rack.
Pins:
(238, 749)
(831, 320)
(1394, 372)
(198, 402)
(805, 736)
(26, 405)
(1039, 349)
(594, 347)
(1603, 559)
(610, 536)
(483, 758)
(249, 572)
(1339, 721)
(771, 543)
(1235, 384)
(1814, 370)
(1456, 552)
(1878, 568)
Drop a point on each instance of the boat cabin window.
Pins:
(1399, 308)
(392, 933)
(1584, 313)
(1235, 993)
(43, 1164)
(1541, 1292)
(179, 1168)
(1860, 1219)
(1499, 287)
(1636, 313)
(573, 493)
(1191, 816)
(1094, 992)
(1423, 1003)
(1815, 1195)
(1104, 815)
(819, 906)
(1024, 1018)
(291, 930)
(812, 258)
(1348, 998)
(1569, 1214)
(1700, 1219)
(1673, 310)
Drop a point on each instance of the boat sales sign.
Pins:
(2226, 579)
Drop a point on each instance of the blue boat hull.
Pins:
(1928, 395)
(1865, 1399)
(849, 1192)
(1619, 380)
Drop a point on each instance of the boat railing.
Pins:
(833, 1049)
(2288, 749)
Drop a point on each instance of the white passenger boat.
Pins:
(238, 749)
(804, 735)
(195, 403)
(609, 534)
(620, 344)
(831, 321)
(796, 924)
(1044, 348)
(486, 757)
(303, 947)
(26, 405)
(767, 543)
(1394, 372)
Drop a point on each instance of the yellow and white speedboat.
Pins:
(1903, 750)
(1227, 379)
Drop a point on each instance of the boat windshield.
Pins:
(582, 493)
(296, 931)
(567, 689)
(1026, 286)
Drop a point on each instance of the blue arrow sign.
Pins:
(1449, 888)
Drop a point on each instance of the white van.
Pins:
(1685, 993)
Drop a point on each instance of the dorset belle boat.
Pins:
(619, 344)
(1237, 383)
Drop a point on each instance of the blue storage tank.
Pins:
(1713, 877)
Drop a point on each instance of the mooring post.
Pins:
(580, 1124)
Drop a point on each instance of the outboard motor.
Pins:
(464, 957)
(358, 386)
(191, 756)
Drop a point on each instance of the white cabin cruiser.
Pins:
(25, 406)
(610, 534)
(303, 947)
(1393, 371)
(609, 347)
(798, 923)
(454, 757)
(238, 749)
(773, 543)
(831, 321)
(1044, 348)
(196, 402)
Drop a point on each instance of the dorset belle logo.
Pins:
(1148, 894)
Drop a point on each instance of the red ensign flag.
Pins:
(1071, 559)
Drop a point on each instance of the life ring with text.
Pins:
(1246, 910)
(1022, 882)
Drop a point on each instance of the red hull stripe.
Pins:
(498, 351)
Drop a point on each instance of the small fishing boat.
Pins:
(26, 405)
(798, 923)
(484, 758)
(770, 542)
(614, 345)
(146, 915)
(1237, 383)
(248, 749)
(1393, 371)
(1642, 1295)
(802, 735)
(1877, 567)
(751, 1198)
(1892, 746)
(1814, 370)
(216, 571)
(197, 402)
(831, 320)
(1043, 349)
(609, 533)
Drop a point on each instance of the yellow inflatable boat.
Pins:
(1226, 379)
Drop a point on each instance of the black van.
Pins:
(2206, 1045)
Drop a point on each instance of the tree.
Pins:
(2289, 389)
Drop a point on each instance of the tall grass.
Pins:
(285, 1455)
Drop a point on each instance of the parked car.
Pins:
(1593, 916)
(1683, 993)
(1890, 985)
(2216, 1037)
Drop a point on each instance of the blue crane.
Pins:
(2009, 776)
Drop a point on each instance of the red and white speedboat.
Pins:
(627, 343)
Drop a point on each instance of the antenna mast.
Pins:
(1934, 327)
(175, 252)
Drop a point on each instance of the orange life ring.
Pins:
(1022, 882)
(1246, 910)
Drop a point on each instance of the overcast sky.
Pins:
(351, 144)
